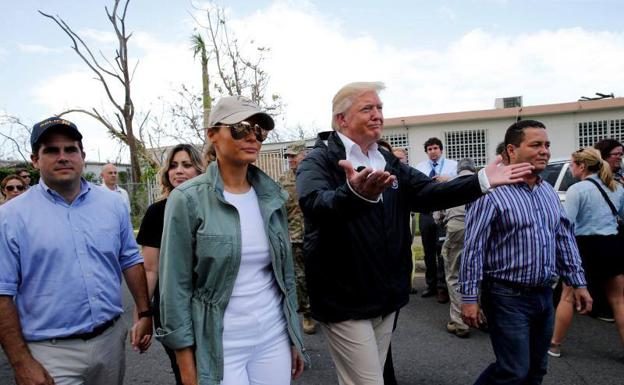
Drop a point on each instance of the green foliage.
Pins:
(34, 173)
(90, 176)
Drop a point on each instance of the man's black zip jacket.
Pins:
(358, 257)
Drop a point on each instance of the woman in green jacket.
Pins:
(227, 286)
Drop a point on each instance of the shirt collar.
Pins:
(53, 196)
(348, 144)
(438, 162)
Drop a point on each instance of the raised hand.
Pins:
(368, 183)
(499, 174)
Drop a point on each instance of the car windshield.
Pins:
(551, 173)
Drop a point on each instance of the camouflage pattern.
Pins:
(295, 216)
(295, 227)
(295, 148)
(302, 290)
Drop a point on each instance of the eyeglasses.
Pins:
(242, 129)
(24, 176)
(620, 154)
(12, 187)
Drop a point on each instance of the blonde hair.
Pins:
(591, 158)
(344, 97)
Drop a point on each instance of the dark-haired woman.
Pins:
(228, 297)
(183, 163)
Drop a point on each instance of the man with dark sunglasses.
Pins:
(63, 248)
(24, 174)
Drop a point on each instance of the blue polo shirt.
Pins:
(62, 262)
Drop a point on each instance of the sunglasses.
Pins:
(11, 188)
(242, 129)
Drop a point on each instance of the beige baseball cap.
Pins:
(234, 109)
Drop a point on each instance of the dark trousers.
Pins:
(520, 323)
(430, 234)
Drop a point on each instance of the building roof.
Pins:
(502, 113)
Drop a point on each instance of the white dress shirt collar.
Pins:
(354, 154)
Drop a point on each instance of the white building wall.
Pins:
(562, 131)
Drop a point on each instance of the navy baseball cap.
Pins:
(63, 125)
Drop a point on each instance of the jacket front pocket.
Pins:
(215, 262)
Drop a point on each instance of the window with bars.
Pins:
(591, 132)
(398, 141)
(466, 144)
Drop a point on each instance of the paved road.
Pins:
(426, 354)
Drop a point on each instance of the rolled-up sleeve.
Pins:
(176, 273)
(129, 254)
(9, 258)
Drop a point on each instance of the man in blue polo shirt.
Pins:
(64, 246)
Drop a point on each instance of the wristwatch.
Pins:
(146, 313)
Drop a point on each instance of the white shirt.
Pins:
(354, 153)
(444, 167)
(120, 191)
(255, 296)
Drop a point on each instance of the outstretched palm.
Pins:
(499, 174)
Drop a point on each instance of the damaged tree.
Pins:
(107, 72)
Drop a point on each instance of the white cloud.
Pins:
(38, 49)
(312, 56)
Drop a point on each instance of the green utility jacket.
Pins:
(199, 260)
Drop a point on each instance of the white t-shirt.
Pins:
(256, 302)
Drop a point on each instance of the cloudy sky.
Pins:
(434, 56)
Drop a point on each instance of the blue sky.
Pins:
(435, 56)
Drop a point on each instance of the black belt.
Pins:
(516, 285)
(92, 334)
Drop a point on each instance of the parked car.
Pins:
(558, 174)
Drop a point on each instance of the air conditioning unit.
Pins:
(510, 102)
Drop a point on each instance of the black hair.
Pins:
(433, 141)
(605, 147)
(515, 133)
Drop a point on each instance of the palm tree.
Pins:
(199, 48)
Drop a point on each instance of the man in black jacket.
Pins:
(356, 202)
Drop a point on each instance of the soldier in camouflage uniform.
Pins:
(295, 153)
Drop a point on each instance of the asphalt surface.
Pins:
(425, 353)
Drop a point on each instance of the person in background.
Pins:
(596, 228)
(64, 246)
(401, 154)
(228, 298)
(294, 154)
(12, 186)
(454, 221)
(183, 163)
(24, 174)
(110, 177)
(612, 151)
(518, 240)
(502, 151)
(440, 169)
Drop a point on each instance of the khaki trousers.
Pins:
(359, 349)
(452, 253)
(98, 361)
